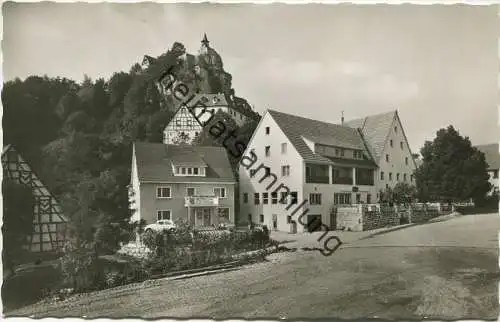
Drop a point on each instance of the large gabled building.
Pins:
(387, 142)
(301, 160)
(49, 222)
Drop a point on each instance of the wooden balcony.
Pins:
(201, 201)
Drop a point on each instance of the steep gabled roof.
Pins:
(154, 162)
(375, 129)
(296, 127)
(491, 154)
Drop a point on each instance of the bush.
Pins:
(185, 249)
(81, 269)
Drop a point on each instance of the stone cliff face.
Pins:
(202, 73)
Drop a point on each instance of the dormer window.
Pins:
(190, 171)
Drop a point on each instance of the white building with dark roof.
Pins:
(386, 140)
(301, 160)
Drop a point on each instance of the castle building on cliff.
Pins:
(211, 89)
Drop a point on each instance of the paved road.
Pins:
(443, 270)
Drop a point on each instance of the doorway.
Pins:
(275, 222)
(314, 223)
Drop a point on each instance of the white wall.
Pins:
(397, 157)
(276, 159)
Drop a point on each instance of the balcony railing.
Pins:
(201, 201)
(342, 180)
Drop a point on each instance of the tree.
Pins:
(18, 207)
(386, 196)
(403, 193)
(452, 169)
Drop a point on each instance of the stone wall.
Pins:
(379, 217)
(420, 213)
(375, 216)
(350, 218)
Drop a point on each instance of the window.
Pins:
(265, 198)
(220, 192)
(337, 152)
(342, 198)
(495, 174)
(395, 129)
(285, 170)
(268, 151)
(252, 173)
(390, 176)
(387, 186)
(195, 171)
(342, 152)
(267, 129)
(293, 195)
(404, 177)
(190, 192)
(401, 145)
(183, 170)
(188, 123)
(391, 143)
(274, 197)
(397, 176)
(245, 197)
(178, 123)
(163, 192)
(368, 198)
(283, 148)
(196, 134)
(284, 197)
(387, 158)
(256, 198)
(381, 175)
(261, 217)
(177, 170)
(411, 177)
(249, 217)
(190, 171)
(315, 198)
(163, 215)
(406, 160)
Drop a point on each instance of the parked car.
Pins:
(226, 226)
(161, 225)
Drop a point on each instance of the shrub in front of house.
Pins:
(183, 250)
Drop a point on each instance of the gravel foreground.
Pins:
(396, 280)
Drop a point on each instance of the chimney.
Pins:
(342, 119)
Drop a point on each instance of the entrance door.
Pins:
(275, 222)
(206, 217)
(314, 223)
(333, 219)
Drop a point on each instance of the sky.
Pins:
(437, 65)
